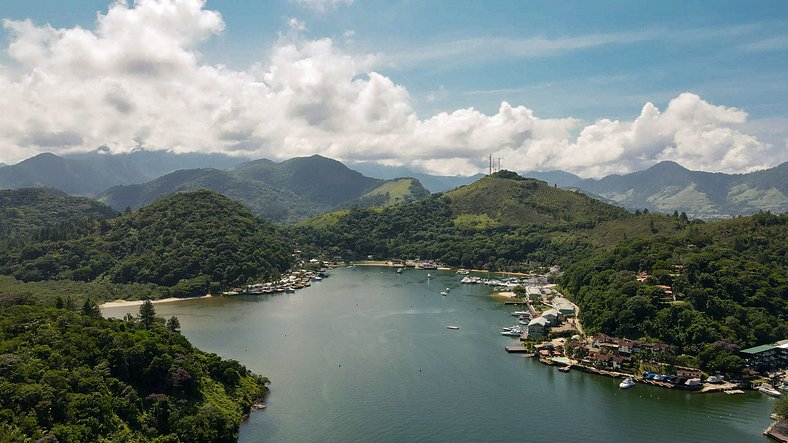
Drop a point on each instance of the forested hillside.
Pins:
(730, 280)
(190, 242)
(71, 377)
(25, 212)
(496, 223)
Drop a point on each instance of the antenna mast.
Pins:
(490, 164)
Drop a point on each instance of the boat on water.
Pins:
(399, 270)
(565, 368)
(463, 271)
(627, 383)
(290, 290)
(519, 313)
(514, 331)
(444, 293)
(769, 390)
(429, 276)
(452, 327)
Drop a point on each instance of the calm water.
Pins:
(365, 356)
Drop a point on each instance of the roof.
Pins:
(538, 320)
(553, 312)
(758, 349)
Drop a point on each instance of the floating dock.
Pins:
(516, 350)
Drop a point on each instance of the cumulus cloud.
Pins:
(137, 79)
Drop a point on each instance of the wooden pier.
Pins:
(516, 349)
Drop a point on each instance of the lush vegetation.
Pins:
(730, 281)
(25, 213)
(499, 222)
(73, 376)
(192, 243)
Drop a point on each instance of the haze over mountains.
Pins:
(301, 187)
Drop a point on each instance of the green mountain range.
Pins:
(283, 192)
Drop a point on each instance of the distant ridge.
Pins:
(283, 192)
(668, 186)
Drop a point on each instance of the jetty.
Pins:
(516, 349)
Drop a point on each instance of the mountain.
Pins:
(24, 212)
(92, 173)
(434, 183)
(192, 242)
(668, 187)
(283, 192)
(499, 222)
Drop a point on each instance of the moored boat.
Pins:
(627, 383)
(769, 390)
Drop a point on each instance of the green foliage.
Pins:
(81, 378)
(781, 408)
(147, 316)
(730, 279)
(46, 213)
(184, 242)
(495, 223)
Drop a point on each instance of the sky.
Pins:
(592, 88)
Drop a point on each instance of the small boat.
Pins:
(453, 327)
(463, 271)
(399, 270)
(514, 331)
(519, 313)
(448, 290)
(769, 390)
(317, 278)
(565, 368)
(289, 290)
(429, 276)
(444, 293)
(350, 266)
(627, 383)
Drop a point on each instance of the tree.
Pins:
(781, 408)
(147, 314)
(683, 217)
(91, 309)
(173, 324)
(59, 303)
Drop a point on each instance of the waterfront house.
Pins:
(765, 358)
(537, 328)
(606, 361)
(553, 316)
(688, 372)
(564, 306)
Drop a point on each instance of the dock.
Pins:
(516, 349)
(662, 384)
(778, 431)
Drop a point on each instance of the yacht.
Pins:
(519, 313)
(453, 327)
(627, 383)
(514, 331)
(463, 271)
(399, 270)
(769, 390)
(429, 276)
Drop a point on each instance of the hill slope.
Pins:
(281, 192)
(24, 212)
(497, 223)
(667, 186)
(189, 241)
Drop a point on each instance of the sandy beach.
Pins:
(121, 303)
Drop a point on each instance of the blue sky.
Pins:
(582, 60)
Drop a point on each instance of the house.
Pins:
(537, 328)
(552, 315)
(768, 357)
(606, 361)
(564, 306)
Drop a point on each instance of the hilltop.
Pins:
(25, 212)
(497, 222)
(282, 192)
(191, 242)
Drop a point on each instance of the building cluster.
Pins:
(767, 358)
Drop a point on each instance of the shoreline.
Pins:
(385, 264)
(126, 303)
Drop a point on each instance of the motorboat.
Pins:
(514, 331)
(399, 270)
(429, 276)
(627, 383)
(519, 313)
(453, 327)
(769, 390)
(444, 293)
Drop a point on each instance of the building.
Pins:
(552, 315)
(765, 358)
(564, 306)
(537, 328)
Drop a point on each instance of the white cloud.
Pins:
(137, 78)
(322, 5)
(296, 24)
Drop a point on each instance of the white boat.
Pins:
(768, 390)
(453, 327)
(519, 313)
(444, 293)
(317, 278)
(514, 331)
(463, 271)
(447, 289)
(627, 383)
(429, 276)
(399, 270)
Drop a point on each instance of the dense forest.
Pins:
(73, 376)
(729, 278)
(25, 213)
(191, 243)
